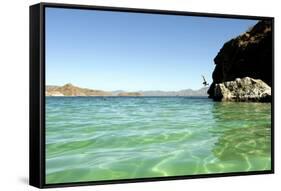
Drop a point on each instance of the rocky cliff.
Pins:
(248, 55)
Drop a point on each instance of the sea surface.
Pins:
(106, 138)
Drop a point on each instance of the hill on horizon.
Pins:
(72, 90)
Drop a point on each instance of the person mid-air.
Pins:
(204, 81)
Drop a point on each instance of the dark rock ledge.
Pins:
(248, 55)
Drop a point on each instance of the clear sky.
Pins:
(133, 51)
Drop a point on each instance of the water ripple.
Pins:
(89, 138)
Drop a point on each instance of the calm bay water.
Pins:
(96, 138)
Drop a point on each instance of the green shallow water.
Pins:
(92, 138)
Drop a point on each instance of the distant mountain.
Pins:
(116, 92)
(71, 90)
(129, 94)
(186, 92)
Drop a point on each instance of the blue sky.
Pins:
(132, 51)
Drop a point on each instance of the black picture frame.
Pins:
(37, 94)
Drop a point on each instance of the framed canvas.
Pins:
(122, 95)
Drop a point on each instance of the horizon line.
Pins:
(130, 90)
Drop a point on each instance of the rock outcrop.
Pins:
(245, 89)
(248, 55)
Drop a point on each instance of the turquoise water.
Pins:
(95, 138)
